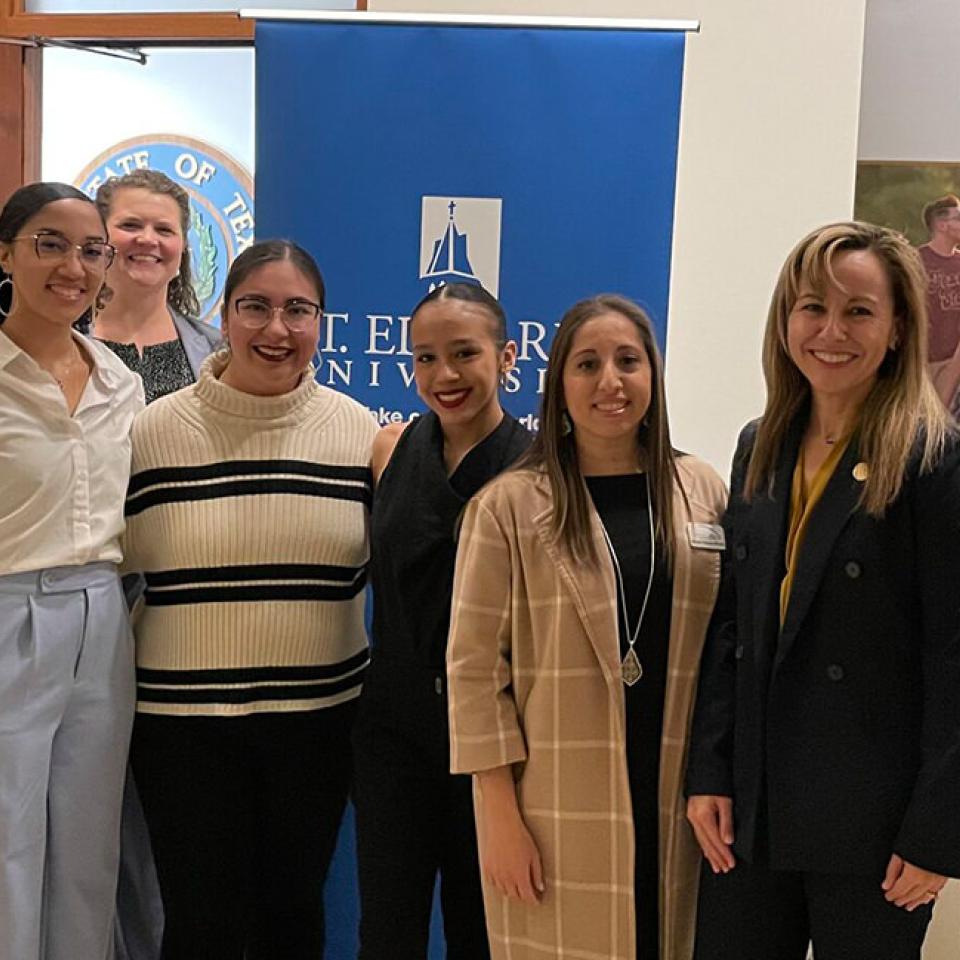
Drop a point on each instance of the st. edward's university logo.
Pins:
(460, 241)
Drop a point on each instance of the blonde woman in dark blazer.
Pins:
(825, 760)
(585, 581)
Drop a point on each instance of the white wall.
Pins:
(767, 152)
(202, 93)
(911, 81)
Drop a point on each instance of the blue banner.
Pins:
(538, 162)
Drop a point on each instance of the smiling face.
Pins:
(57, 290)
(270, 360)
(606, 385)
(457, 363)
(146, 229)
(839, 336)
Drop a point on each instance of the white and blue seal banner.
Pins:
(539, 162)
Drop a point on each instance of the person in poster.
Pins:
(941, 261)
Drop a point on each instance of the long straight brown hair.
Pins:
(902, 405)
(554, 449)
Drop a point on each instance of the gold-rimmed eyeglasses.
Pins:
(95, 255)
(297, 315)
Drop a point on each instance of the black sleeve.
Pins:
(929, 835)
(710, 763)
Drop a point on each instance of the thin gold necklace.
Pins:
(68, 369)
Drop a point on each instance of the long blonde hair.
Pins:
(554, 449)
(902, 405)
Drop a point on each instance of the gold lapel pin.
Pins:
(861, 471)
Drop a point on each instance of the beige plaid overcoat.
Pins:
(534, 681)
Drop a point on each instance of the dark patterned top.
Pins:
(163, 367)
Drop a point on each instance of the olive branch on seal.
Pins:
(205, 259)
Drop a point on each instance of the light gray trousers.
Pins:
(66, 708)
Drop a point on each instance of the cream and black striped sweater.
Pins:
(249, 517)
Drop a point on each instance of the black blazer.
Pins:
(838, 736)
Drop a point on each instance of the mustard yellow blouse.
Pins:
(802, 502)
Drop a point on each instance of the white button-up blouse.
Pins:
(63, 477)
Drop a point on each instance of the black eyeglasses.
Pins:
(255, 313)
(95, 255)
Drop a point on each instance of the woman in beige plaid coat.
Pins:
(585, 581)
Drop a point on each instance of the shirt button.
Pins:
(741, 552)
(835, 672)
(438, 686)
(738, 652)
(852, 569)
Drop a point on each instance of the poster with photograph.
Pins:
(920, 200)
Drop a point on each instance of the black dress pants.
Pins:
(754, 913)
(243, 815)
(414, 819)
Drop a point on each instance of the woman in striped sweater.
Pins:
(248, 514)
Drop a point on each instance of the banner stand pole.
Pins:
(472, 20)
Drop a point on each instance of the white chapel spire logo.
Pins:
(450, 262)
(460, 241)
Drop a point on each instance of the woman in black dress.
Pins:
(584, 585)
(413, 818)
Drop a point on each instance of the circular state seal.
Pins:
(221, 201)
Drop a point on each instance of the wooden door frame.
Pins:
(130, 27)
(20, 98)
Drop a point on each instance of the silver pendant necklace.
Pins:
(631, 670)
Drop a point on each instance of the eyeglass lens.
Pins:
(296, 314)
(93, 253)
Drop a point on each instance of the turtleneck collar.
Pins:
(211, 390)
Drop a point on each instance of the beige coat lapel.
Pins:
(599, 619)
(681, 658)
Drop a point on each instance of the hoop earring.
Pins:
(6, 280)
(566, 427)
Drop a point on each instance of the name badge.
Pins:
(706, 536)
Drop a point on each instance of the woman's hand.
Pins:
(910, 887)
(509, 857)
(712, 820)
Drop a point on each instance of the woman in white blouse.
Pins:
(66, 656)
